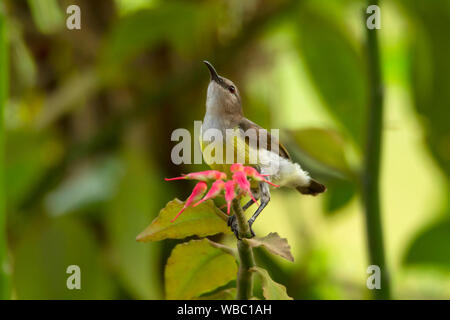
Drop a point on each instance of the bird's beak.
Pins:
(212, 71)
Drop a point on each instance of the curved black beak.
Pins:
(212, 71)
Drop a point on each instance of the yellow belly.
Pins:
(217, 159)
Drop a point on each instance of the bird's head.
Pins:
(223, 95)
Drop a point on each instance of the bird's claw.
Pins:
(250, 223)
(232, 223)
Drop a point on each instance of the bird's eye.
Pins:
(232, 89)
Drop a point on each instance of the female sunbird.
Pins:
(224, 115)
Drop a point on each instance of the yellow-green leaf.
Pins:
(325, 146)
(341, 78)
(227, 294)
(203, 220)
(134, 262)
(274, 244)
(271, 289)
(47, 248)
(196, 267)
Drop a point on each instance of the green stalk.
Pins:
(4, 276)
(371, 173)
(246, 259)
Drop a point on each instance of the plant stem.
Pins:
(371, 173)
(246, 259)
(4, 275)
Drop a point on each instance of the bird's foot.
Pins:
(250, 223)
(232, 223)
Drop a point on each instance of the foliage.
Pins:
(341, 77)
(274, 244)
(428, 69)
(201, 266)
(197, 267)
(4, 276)
(430, 246)
(271, 289)
(325, 146)
(87, 120)
(204, 220)
(39, 275)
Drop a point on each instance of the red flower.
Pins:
(230, 193)
(215, 190)
(251, 172)
(255, 175)
(239, 180)
(236, 167)
(197, 194)
(201, 176)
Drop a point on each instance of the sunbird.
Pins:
(224, 111)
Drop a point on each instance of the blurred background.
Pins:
(90, 114)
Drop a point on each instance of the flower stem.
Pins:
(371, 173)
(4, 275)
(246, 259)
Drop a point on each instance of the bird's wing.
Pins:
(246, 124)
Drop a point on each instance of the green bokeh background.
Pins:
(90, 114)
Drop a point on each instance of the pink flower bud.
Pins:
(230, 193)
(241, 179)
(201, 176)
(197, 193)
(236, 167)
(254, 174)
(215, 190)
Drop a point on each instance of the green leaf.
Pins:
(126, 6)
(128, 211)
(25, 70)
(182, 25)
(47, 15)
(274, 244)
(226, 249)
(336, 68)
(325, 146)
(430, 67)
(339, 194)
(203, 220)
(45, 251)
(70, 95)
(28, 155)
(430, 247)
(227, 294)
(196, 267)
(87, 186)
(271, 289)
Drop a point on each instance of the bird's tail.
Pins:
(314, 188)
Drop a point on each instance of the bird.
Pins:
(224, 114)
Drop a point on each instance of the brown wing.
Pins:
(246, 124)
